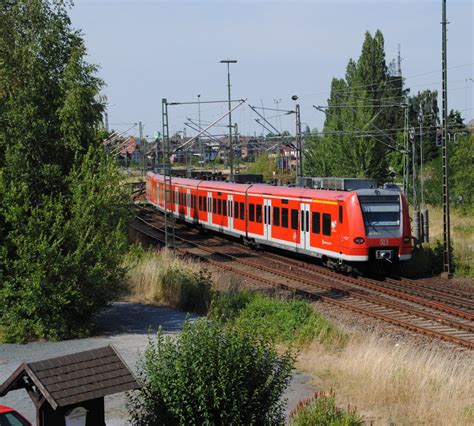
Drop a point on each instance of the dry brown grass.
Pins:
(462, 234)
(146, 272)
(396, 383)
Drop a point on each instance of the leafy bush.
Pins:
(276, 320)
(226, 307)
(210, 374)
(322, 410)
(427, 260)
(62, 258)
(186, 289)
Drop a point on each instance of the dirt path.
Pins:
(126, 326)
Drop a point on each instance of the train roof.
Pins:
(288, 191)
(280, 191)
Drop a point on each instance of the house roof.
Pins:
(74, 378)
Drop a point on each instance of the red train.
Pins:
(347, 230)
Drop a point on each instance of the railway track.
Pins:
(440, 314)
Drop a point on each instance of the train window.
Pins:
(200, 203)
(242, 211)
(316, 225)
(340, 214)
(224, 207)
(326, 224)
(230, 208)
(276, 216)
(294, 219)
(209, 204)
(259, 213)
(236, 209)
(284, 217)
(252, 212)
(284, 201)
(214, 205)
(219, 206)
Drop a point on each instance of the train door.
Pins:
(176, 201)
(230, 213)
(305, 243)
(267, 222)
(209, 208)
(188, 203)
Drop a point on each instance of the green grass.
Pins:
(322, 410)
(292, 322)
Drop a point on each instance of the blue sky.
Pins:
(148, 50)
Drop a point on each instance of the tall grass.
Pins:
(402, 384)
(462, 234)
(162, 277)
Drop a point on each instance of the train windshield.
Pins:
(380, 211)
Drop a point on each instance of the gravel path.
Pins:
(126, 326)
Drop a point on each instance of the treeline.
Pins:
(368, 114)
(62, 206)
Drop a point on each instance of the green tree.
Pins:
(62, 205)
(363, 112)
(462, 171)
(423, 110)
(210, 374)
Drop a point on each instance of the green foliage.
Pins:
(63, 207)
(276, 320)
(186, 289)
(461, 174)
(226, 307)
(462, 170)
(62, 257)
(322, 410)
(263, 165)
(210, 374)
(361, 107)
(427, 260)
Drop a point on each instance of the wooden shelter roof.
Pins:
(74, 378)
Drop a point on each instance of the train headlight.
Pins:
(359, 240)
(406, 240)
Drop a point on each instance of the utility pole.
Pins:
(167, 184)
(299, 148)
(444, 149)
(413, 167)
(142, 144)
(420, 120)
(201, 151)
(406, 159)
(231, 147)
(237, 140)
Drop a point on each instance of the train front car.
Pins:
(381, 226)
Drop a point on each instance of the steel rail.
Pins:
(308, 290)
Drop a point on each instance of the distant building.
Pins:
(470, 127)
